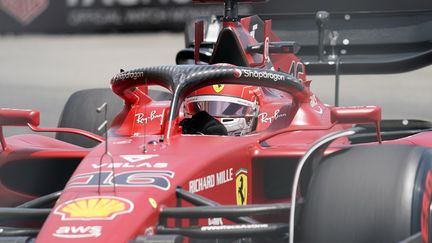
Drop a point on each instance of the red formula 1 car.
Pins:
(240, 151)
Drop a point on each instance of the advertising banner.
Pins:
(72, 16)
(88, 16)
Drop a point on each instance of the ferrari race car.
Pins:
(238, 150)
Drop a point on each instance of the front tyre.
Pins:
(80, 112)
(368, 194)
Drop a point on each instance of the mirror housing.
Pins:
(358, 114)
(15, 117)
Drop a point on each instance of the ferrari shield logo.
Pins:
(241, 187)
(218, 87)
(24, 11)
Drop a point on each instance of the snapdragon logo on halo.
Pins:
(258, 74)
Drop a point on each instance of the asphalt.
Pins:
(41, 72)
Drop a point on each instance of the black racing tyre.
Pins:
(80, 112)
(367, 194)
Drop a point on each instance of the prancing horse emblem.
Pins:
(218, 87)
(241, 187)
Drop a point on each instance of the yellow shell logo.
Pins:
(218, 87)
(153, 202)
(94, 208)
(241, 187)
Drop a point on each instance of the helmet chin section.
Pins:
(236, 126)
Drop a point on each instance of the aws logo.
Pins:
(241, 187)
(77, 232)
(94, 208)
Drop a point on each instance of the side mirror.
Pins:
(358, 114)
(15, 117)
(31, 118)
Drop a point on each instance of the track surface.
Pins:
(41, 72)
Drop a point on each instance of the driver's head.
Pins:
(235, 106)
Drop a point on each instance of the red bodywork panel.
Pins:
(124, 191)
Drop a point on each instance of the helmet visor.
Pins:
(220, 106)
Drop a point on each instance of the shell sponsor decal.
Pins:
(153, 202)
(94, 208)
(241, 187)
(218, 87)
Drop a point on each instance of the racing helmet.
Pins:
(235, 106)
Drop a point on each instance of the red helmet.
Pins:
(235, 106)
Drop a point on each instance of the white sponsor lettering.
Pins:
(78, 231)
(109, 3)
(224, 176)
(129, 75)
(211, 181)
(138, 157)
(254, 27)
(130, 165)
(262, 75)
(96, 16)
(140, 118)
(215, 221)
(266, 118)
(202, 183)
(314, 104)
(234, 227)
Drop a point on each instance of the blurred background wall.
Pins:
(83, 16)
